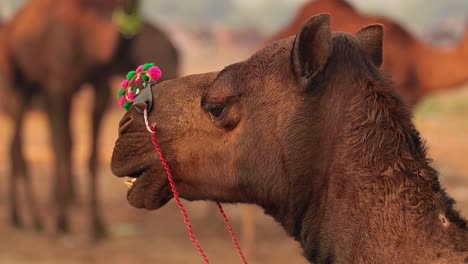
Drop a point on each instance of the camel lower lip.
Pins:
(149, 190)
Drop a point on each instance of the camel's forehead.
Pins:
(253, 67)
(272, 53)
(276, 46)
(264, 62)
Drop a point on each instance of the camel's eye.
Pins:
(215, 110)
(216, 107)
(223, 112)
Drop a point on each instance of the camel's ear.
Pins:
(371, 39)
(311, 48)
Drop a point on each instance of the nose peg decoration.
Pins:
(136, 88)
(145, 96)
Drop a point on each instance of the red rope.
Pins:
(231, 232)
(176, 195)
(182, 209)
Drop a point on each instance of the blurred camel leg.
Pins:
(58, 107)
(248, 229)
(17, 107)
(15, 155)
(101, 100)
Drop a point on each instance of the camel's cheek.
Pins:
(201, 162)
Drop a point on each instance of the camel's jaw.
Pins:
(150, 191)
(149, 187)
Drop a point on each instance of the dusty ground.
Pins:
(138, 236)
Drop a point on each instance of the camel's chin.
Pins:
(149, 191)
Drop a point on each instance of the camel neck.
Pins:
(383, 222)
(379, 198)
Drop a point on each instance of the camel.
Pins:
(417, 68)
(77, 43)
(50, 58)
(311, 130)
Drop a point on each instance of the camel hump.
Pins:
(98, 34)
(102, 40)
(71, 30)
(29, 21)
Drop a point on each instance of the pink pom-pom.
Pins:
(139, 69)
(137, 80)
(131, 95)
(124, 84)
(154, 72)
(122, 100)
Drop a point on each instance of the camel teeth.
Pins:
(133, 180)
(129, 184)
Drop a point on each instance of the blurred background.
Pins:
(208, 35)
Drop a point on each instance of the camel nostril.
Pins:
(124, 124)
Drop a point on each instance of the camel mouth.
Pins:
(148, 185)
(123, 169)
(149, 190)
(133, 178)
(146, 179)
(130, 183)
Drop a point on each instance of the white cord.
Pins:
(145, 116)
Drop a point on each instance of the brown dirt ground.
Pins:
(138, 236)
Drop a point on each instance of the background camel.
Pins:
(51, 57)
(66, 63)
(416, 67)
(310, 130)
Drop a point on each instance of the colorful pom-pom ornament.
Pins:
(124, 83)
(120, 93)
(136, 81)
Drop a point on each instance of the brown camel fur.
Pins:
(309, 129)
(416, 67)
(49, 48)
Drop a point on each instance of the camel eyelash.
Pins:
(207, 104)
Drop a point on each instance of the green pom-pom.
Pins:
(121, 92)
(145, 77)
(130, 75)
(146, 66)
(127, 106)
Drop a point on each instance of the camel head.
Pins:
(310, 130)
(246, 133)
